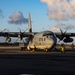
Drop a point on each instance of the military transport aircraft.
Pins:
(45, 40)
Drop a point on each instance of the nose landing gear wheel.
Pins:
(47, 50)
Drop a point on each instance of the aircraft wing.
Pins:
(66, 34)
(15, 34)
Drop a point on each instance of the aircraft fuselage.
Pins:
(43, 40)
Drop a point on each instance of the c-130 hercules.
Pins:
(45, 40)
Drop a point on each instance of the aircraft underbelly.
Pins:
(42, 46)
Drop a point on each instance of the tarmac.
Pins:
(13, 61)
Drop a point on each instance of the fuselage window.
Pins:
(40, 39)
(47, 36)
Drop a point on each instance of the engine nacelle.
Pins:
(68, 40)
(20, 37)
(8, 39)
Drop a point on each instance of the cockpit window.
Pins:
(45, 34)
(48, 34)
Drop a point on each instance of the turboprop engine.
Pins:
(68, 40)
(8, 39)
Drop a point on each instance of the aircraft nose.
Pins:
(55, 41)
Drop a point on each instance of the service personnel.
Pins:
(62, 48)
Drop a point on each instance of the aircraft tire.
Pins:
(22, 48)
(47, 50)
(28, 48)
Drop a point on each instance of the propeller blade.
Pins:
(62, 35)
(25, 30)
(5, 30)
(65, 32)
(59, 41)
(61, 31)
(16, 39)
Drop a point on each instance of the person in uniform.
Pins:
(62, 48)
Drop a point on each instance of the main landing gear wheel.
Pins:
(47, 50)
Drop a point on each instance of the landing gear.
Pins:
(28, 48)
(31, 49)
(22, 48)
(47, 50)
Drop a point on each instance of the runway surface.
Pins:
(37, 63)
(14, 61)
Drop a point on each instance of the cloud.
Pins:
(17, 18)
(60, 9)
(65, 26)
(54, 29)
(1, 14)
(57, 27)
(69, 26)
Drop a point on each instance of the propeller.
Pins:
(20, 35)
(7, 38)
(61, 37)
(4, 30)
(25, 30)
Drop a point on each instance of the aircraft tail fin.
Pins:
(29, 23)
